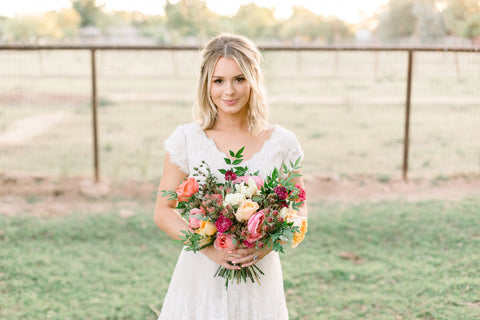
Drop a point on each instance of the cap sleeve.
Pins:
(176, 146)
(293, 150)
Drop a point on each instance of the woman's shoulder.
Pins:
(282, 132)
(187, 129)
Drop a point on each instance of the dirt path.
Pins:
(49, 197)
(23, 130)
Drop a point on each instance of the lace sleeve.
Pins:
(293, 150)
(176, 146)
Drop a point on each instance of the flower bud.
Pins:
(265, 228)
(270, 219)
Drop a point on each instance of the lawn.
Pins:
(407, 261)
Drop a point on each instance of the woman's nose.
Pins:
(230, 89)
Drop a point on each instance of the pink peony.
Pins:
(254, 226)
(223, 224)
(225, 242)
(244, 179)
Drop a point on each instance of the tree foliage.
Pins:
(90, 13)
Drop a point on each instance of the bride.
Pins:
(230, 112)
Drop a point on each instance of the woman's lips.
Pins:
(230, 102)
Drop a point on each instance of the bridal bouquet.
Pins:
(242, 212)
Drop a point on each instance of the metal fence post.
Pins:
(94, 116)
(406, 139)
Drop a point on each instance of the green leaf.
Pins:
(236, 162)
(239, 153)
(222, 171)
(227, 161)
(232, 154)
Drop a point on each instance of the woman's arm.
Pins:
(165, 215)
(167, 218)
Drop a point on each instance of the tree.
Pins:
(397, 21)
(429, 24)
(303, 24)
(190, 18)
(457, 13)
(90, 13)
(23, 28)
(255, 21)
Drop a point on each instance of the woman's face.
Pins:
(230, 90)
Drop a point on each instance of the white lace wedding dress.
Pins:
(193, 292)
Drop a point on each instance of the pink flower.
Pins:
(225, 242)
(301, 193)
(223, 224)
(281, 192)
(248, 244)
(197, 211)
(230, 175)
(254, 226)
(196, 215)
(218, 197)
(194, 222)
(244, 179)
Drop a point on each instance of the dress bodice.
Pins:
(188, 146)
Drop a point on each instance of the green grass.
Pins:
(420, 261)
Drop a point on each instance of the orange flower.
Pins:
(187, 189)
(302, 223)
(207, 228)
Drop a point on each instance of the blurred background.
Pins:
(347, 107)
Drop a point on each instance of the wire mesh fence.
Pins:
(346, 107)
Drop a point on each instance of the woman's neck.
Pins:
(227, 122)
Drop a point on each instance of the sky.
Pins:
(349, 10)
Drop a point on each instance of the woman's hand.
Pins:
(222, 257)
(248, 257)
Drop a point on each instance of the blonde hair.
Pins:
(248, 58)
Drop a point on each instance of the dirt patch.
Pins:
(49, 196)
(23, 130)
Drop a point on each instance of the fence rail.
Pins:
(93, 49)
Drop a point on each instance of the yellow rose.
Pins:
(302, 223)
(246, 209)
(206, 228)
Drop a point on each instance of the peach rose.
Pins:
(187, 189)
(225, 242)
(246, 209)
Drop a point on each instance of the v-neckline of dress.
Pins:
(214, 144)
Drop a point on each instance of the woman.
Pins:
(230, 113)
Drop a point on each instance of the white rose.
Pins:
(249, 189)
(233, 199)
(284, 212)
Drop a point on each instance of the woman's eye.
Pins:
(241, 79)
(218, 81)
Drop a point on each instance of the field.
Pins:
(347, 109)
(385, 260)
